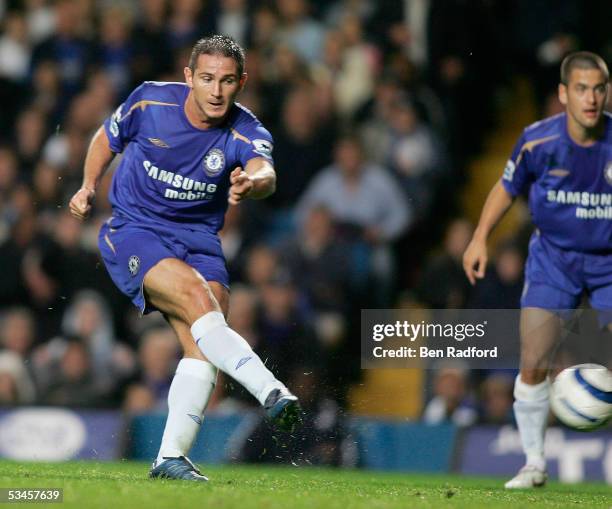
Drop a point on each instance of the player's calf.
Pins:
(232, 354)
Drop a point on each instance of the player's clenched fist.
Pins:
(80, 204)
(475, 260)
(241, 186)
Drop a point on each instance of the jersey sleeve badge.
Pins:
(263, 148)
(114, 122)
(509, 170)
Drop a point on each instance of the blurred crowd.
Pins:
(376, 109)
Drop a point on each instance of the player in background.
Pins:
(565, 164)
(188, 149)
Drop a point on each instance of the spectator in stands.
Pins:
(71, 381)
(186, 23)
(14, 48)
(442, 284)
(88, 317)
(233, 19)
(415, 156)
(68, 48)
(30, 135)
(67, 148)
(288, 339)
(451, 400)
(353, 81)
(46, 184)
(152, 56)
(17, 337)
(52, 269)
(46, 90)
(8, 174)
(299, 31)
(18, 331)
(336, 11)
(8, 388)
(302, 143)
(16, 384)
(260, 266)
(366, 203)
(158, 357)
(17, 231)
(236, 237)
(244, 303)
(116, 49)
(358, 194)
(66, 260)
(496, 399)
(502, 287)
(139, 399)
(40, 20)
(319, 262)
(265, 28)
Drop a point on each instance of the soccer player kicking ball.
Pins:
(565, 163)
(184, 149)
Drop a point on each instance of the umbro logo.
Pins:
(243, 361)
(555, 169)
(158, 143)
(197, 420)
(559, 172)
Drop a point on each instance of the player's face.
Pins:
(584, 97)
(214, 84)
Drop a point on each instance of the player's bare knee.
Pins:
(198, 300)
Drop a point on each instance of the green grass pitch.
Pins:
(125, 485)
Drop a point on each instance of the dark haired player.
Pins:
(188, 149)
(565, 164)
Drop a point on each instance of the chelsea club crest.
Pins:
(214, 162)
(134, 264)
(608, 172)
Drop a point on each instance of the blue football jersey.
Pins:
(172, 172)
(569, 186)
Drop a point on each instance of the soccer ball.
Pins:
(581, 396)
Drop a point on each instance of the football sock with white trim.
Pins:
(531, 412)
(232, 354)
(189, 393)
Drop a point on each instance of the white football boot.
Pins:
(529, 476)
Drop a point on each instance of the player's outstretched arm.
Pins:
(256, 181)
(475, 257)
(99, 156)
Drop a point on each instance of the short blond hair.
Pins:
(582, 60)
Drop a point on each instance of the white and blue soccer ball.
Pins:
(581, 396)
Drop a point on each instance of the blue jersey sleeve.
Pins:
(261, 144)
(517, 176)
(122, 125)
